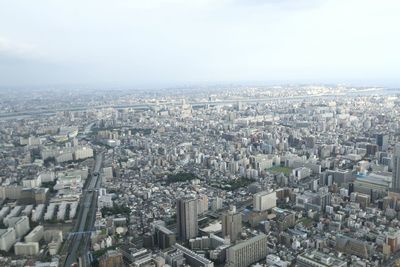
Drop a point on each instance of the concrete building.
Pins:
(54, 246)
(336, 176)
(26, 248)
(273, 260)
(68, 181)
(35, 235)
(247, 252)
(262, 162)
(21, 226)
(105, 201)
(27, 210)
(10, 191)
(31, 183)
(7, 238)
(61, 211)
(3, 212)
(231, 224)
(52, 235)
(374, 184)
(72, 209)
(264, 201)
(112, 258)
(216, 204)
(186, 215)
(314, 201)
(175, 258)
(83, 153)
(48, 176)
(149, 260)
(13, 214)
(301, 173)
(108, 173)
(163, 237)
(396, 169)
(319, 259)
(202, 204)
(50, 211)
(37, 213)
(194, 259)
(208, 242)
(353, 246)
(285, 219)
(382, 140)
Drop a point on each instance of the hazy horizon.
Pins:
(168, 43)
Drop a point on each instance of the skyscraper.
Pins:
(396, 169)
(382, 141)
(186, 216)
(163, 237)
(231, 224)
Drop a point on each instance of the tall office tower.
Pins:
(186, 216)
(324, 198)
(396, 168)
(202, 204)
(382, 140)
(163, 237)
(232, 224)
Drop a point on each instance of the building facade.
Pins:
(186, 215)
(231, 224)
(247, 252)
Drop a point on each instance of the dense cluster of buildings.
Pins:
(297, 176)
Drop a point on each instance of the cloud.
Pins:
(11, 49)
(172, 41)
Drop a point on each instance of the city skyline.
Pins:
(234, 176)
(200, 133)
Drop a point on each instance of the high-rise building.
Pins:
(186, 215)
(35, 235)
(21, 225)
(231, 224)
(382, 140)
(7, 238)
(396, 168)
(247, 252)
(285, 219)
(372, 149)
(264, 200)
(202, 204)
(163, 237)
(324, 197)
(216, 204)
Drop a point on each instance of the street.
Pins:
(78, 244)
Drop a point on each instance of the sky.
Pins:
(156, 43)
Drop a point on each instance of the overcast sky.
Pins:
(175, 42)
